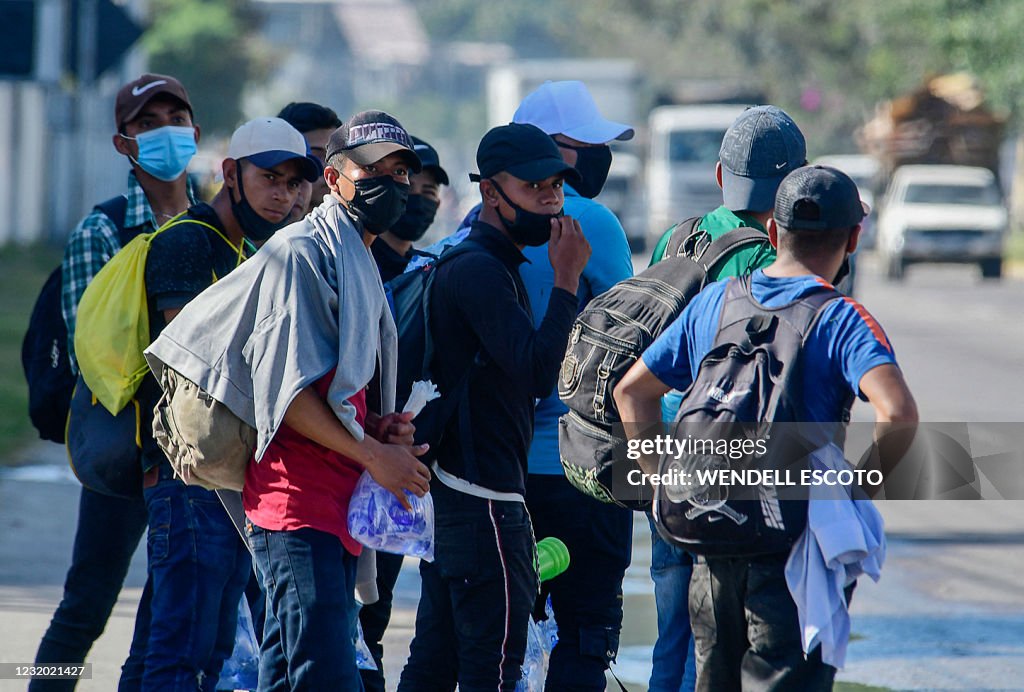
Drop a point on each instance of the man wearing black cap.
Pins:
(155, 131)
(477, 595)
(316, 123)
(394, 248)
(749, 631)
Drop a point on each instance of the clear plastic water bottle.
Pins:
(377, 520)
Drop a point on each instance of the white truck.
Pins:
(683, 149)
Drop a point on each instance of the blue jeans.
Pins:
(671, 568)
(309, 579)
(108, 532)
(198, 568)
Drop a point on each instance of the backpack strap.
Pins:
(740, 305)
(680, 233)
(715, 251)
(116, 209)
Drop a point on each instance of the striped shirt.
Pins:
(91, 245)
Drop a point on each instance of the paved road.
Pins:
(948, 613)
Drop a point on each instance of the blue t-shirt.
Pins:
(844, 345)
(610, 262)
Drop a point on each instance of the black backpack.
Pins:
(742, 412)
(409, 297)
(44, 350)
(609, 336)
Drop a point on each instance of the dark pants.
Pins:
(674, 668)
(586, 598)
(309, 579)
(746, 629)
(198, 568)
(476, 597)
(375, 617)
(108, 532)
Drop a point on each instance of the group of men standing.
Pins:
(270, 298)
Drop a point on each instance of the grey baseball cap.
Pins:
(759, 149)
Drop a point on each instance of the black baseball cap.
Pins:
(431, 161)
(305, 116)
(523, 151)
(815, 198)
(369, 136)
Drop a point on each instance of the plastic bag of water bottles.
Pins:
(240, 672)
(548, 628)
(377, 520)
(364, 659)
(541, 638)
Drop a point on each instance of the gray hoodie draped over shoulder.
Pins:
(309, 301)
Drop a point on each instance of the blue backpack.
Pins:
(409, 298)
(44, 350)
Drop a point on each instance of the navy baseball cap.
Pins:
(369, 136)
(523, 151)
(815, 198)
(759, 149)
(430, 160)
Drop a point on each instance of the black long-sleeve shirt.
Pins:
(479, 303)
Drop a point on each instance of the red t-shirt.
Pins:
(301, 484)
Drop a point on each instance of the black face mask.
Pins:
(529, 227)
(378, 203)
(254, 226)
(593, 164)
(419, 214)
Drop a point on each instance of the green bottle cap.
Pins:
(552, 558)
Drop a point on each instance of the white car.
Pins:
(940, 213)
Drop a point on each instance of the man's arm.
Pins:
(895, 414)
(394, 466)
(91, 245)
(638, 400)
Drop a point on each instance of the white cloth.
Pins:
(844, 539)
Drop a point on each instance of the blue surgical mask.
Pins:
(164, 153)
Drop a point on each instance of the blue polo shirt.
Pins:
(610, 262)
(843, 346)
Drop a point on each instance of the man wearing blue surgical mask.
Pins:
(156, 134)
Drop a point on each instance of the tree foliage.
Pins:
(206, 45)
(828, 63)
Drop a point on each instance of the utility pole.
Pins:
(85, 82)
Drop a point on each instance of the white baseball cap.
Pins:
(267, 142)
(567, 108)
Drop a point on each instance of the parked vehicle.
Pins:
(623, 194)
(942, 213)
(684, 145)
